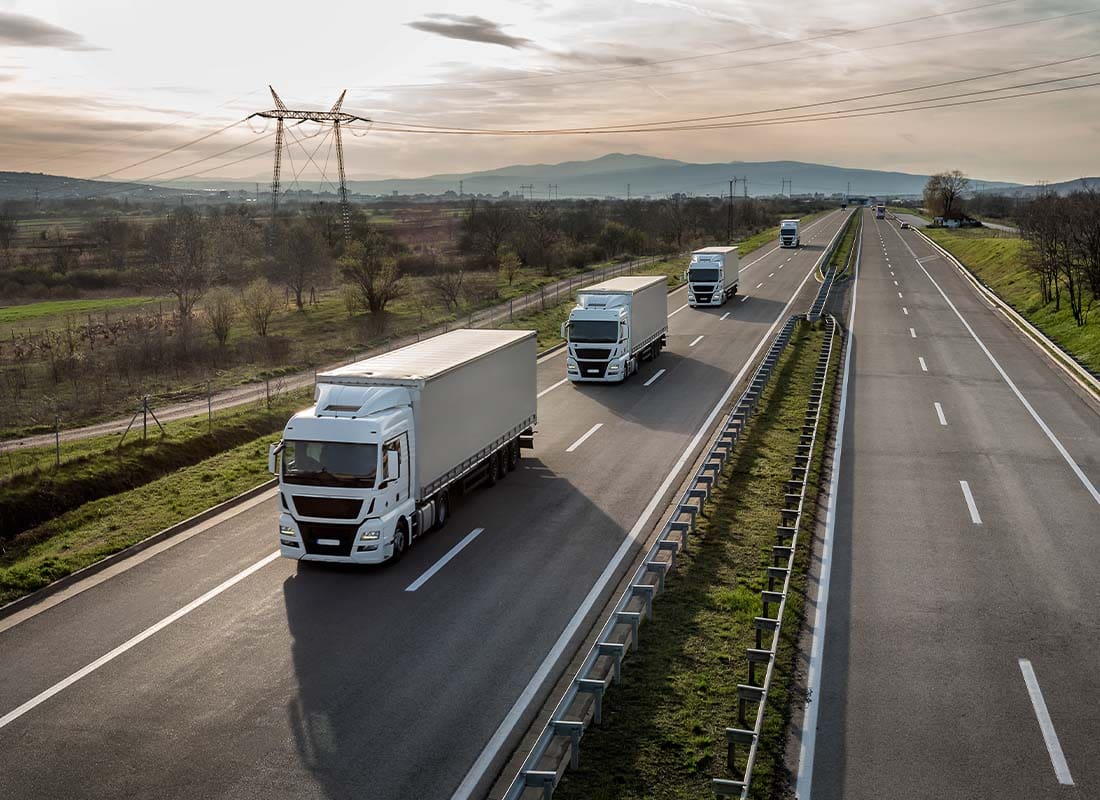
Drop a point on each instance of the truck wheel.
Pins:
(400, 541)
(513, 455)
(442, 509)
(492, 469)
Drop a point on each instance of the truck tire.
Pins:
(492, 469)
(400, 541)
(513, 455)
(442, 509)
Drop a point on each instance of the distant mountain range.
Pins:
(611, 175)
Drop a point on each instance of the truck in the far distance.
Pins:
(880, 211)
(788, 233)
(615, 326)
(391, 441)
(712, 276)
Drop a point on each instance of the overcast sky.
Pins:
(89, 88)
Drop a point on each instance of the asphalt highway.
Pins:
(960, 639)
(210, 668)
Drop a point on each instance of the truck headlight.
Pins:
(613, 368)
(370, 536)
(286, 530)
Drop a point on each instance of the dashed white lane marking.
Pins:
(939, 413)
(971, 506)
(441, 563)
(656, 375)
(696, 340)
(581, 440)
(912, 333)
(895, 283)
(759, 284)
(549, 389)
(723, 317)
(899, 294)
(905, 311)
(744, 298)
(1054, 749)
(677, 311)
(923, 366)
(771, 274)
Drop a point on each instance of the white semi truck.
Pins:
(615, 326)
(788, 233)
(391, 441)
(712, 276)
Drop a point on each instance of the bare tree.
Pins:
(301, 259)
(8, 226)
(943, 191)
(179, 252)
(221, 309)
(371, 266)
(114, 236)
(258, 302)
(509, 265)
(447, 284)
(485, 230)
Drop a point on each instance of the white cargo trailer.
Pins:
(788, 233)
(392, 440)
(712, 276)
(614, 326)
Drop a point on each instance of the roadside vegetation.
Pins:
(161, 300)
(663, 730)
(839, 258)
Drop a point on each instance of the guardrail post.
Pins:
(615, 651)
(734, 737)
(574, 730)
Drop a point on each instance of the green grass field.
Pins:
(663, 734)
(1000, 261)
(52, 313)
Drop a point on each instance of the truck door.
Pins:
(396, 480)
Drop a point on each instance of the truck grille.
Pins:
(592, 369)
(594, 353)
(312, 531)
(703, 297)
(328, 507)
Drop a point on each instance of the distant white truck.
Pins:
(712, 276)
(788, 233)
(391, 441)
(615, 326)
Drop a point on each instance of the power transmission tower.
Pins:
(729, 215)
(460, 190)
(334, 116)
(527, 191)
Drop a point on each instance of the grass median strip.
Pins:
(663, 730)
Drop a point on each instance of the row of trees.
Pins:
(1064, 233)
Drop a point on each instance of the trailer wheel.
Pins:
(513, 455)
(492, 469)
(442, 509)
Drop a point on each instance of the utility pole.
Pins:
(336, 117)
(745, 186)
(628, 191)
(848, 195)
(729, 216)
(460, 190)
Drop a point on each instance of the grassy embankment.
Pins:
(1000, 261)
(663, 734)
(84, 534)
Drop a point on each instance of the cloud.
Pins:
(470, 29)
(20, 30)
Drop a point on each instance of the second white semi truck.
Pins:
(615, 326)
(788, 233)
(391, 441)
(712, 276)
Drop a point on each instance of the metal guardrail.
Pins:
(781, 570)
(818, 305)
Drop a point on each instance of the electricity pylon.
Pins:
(335, 116)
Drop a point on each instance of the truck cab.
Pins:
(712, 276)
(345, 472)
(788, 233)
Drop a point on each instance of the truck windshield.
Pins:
(704, 275)
(594, 330)
(330, 463)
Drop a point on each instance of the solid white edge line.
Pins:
(971, 506)
(1081, 476)
(496, 741)
(580, 441)
(807, 746)
(923, 366)
(549, 389)
(1050, 737)
(83, 672)
(677, 311)
(939, 413)
(442, 562)
(696, 340)
(656, 375)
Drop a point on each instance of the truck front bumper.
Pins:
(338, 544)
(612, 371)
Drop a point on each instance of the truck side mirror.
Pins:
(273, 452)
(564, 330)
